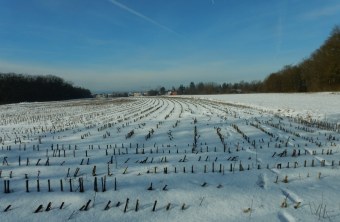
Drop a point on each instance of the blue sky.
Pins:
(117, 45)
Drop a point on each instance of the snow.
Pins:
(323, 106)
(233, 175)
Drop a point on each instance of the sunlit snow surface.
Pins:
(322, 106)
(253, 132)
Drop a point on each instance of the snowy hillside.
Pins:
(223, 158)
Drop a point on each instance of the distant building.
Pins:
(172, 93)
(100, 96)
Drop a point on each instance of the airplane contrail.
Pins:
(130, 10)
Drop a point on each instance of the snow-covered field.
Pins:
(321, 106)
(247, 157)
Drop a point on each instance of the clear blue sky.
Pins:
(142, 44)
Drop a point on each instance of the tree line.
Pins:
(27, 88)
(214, 88)
(319, 72)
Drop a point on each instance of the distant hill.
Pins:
(26, 88)
(320, 72)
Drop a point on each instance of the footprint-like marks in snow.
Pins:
(262, 181)
(284, 216)
(291, 196)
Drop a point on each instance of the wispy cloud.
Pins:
(322, 12)
(144, 17)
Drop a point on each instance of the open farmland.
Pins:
(166, 159)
